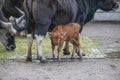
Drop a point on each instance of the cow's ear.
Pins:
(12, 19)
(49, 34)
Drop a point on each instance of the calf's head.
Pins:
(107, 5)
(56, 37)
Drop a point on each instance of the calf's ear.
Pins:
(49, 34)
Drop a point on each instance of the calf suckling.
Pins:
(66, 33)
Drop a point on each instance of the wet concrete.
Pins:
(113, 55)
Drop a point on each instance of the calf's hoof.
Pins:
(54, 59)
(29, 59)
(58, 59)
(43, 61)
(66, 52)
(80, 58)
(83, 54)
(72, 58)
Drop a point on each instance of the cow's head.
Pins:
(7, 35)
(7, 31)
(7, 39)
(107, 5)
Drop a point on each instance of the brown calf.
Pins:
(62, 33)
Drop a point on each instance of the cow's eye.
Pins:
(8, 35)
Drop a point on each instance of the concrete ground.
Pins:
(107, 34)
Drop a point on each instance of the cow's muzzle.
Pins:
(12, 47)
(116, 6)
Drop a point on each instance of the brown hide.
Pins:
(62, 33)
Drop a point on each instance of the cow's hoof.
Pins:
(29, 59)
(59, 60)
(43, 60)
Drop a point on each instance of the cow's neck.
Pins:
(91, 11)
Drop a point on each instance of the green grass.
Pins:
(87, 46)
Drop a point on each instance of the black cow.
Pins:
(44, 15)
(7, 32)
(9, 8)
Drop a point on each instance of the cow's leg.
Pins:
(66, 48)
(42, 17)
(59, 49)
(39, 48)
(30, 41)
(81, 29)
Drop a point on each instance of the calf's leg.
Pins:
(66, 48)
(79, 52)
(76, 47)
(53, 51)
(73, 52)
(59, 49)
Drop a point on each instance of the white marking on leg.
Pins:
(39, 45)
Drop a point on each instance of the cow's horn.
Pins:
(20, 28)
(18, 20)
(8, 26)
